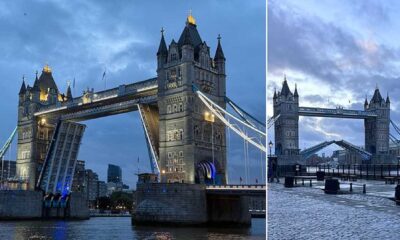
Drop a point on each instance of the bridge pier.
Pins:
(188, 204)
(228, 210)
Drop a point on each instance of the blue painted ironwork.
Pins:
(335, 113)
(7, 145)
(307, 153)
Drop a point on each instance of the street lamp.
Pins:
(163, 176)
(270, 148)
(209, 117)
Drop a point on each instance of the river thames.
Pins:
(120, 228)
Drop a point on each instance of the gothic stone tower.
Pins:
(286, 104)
(34, 134)
(185, 144)
(377, 129)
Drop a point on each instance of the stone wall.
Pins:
(19, 204)
(78, 207)
(174, 203)
(228, 210)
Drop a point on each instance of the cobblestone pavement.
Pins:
(308, 213)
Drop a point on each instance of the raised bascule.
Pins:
(376, 116)
(184, 116)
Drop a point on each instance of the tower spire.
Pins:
(23, 87)
(219, 54)
(162, 49)
(387, 98)
(296, 94)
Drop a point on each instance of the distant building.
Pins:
(347, 157)
(114, 174)
(79, 177)
(114, 187)
(124, 186)
(101, 189)
(90, 183)
(9, 168)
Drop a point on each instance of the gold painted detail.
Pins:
(46, 69)
(190, 18)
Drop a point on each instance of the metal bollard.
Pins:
(364, 188)
(351, 187)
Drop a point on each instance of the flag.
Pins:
(73, 83)
(241, 179)
(104, 74)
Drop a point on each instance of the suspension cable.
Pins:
(210, 103)
(223, 119)
(245, 161)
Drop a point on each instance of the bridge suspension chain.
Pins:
(222, 113)
(271, 121)
(248, 118)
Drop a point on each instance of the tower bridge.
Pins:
(376, 116)
(184, 145)
(185, 119)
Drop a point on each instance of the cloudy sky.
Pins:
(79, 39)
(337, 52)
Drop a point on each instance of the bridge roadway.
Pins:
(335, 113)
(90, 105)
(248, 190)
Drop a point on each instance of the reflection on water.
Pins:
(120, 228)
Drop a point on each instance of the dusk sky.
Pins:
(80, 39)
(337, 52)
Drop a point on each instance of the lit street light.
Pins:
(209, 117)
(270, 148)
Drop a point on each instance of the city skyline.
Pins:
(126, 50)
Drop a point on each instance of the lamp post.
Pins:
(209, 117)
(163, 176)
(270, 148)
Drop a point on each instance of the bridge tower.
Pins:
(286, 105)
(377, 129)
(34, 134)
(185, 136)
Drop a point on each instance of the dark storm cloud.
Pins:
(80, 39)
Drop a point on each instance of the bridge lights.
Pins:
(209, 117)
(43, 121)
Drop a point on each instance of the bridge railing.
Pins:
(236, 186)
(361, 171)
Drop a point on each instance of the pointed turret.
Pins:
(366, 101)
(387, 98)
(69, 93)
(22, 91)
(186, 40)
(275, 96)
(190, 34)
(219, 54)
(285, 88)
(377, 98)
(162, 49)
(35, 86)
(296, 94)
